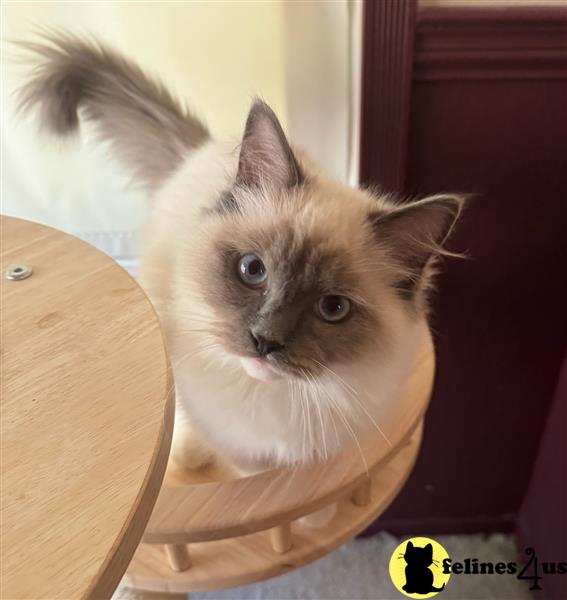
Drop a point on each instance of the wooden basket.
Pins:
(213, 531)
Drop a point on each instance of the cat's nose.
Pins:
(264, 346)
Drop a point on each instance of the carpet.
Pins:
(359, 571)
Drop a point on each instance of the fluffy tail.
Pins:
(149, 130)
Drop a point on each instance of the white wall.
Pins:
(217, 56)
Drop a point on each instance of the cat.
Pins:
(292, 305)
(419, 578)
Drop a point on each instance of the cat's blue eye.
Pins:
(333, 308)
(251, 270)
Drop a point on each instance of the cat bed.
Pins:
(210, 530)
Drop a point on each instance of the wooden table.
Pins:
(86, 415)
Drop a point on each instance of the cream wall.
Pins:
(217, 56)
(322, 73)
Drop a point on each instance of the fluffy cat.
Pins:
(292, 304)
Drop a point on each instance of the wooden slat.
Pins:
(239, 561)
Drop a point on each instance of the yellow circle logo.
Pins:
(416, 568)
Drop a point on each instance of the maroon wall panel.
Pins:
(495, 126)
(500, 316)
(389, 29)
(543, 517)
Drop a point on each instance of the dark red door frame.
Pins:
(387, 66)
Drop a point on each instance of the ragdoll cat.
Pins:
(292, 305)
(419, 577)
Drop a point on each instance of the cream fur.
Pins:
(244, 419)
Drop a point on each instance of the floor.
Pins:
(359, 570)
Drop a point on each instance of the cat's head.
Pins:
(418, 557)
(301, 272)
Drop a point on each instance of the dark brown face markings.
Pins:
(299, 271)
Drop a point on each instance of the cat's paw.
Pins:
(192, 458)
(188, 452)
(319, 518)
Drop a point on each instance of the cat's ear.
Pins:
(266, 157)
(409, 546)
(416, 232)
(429, 551)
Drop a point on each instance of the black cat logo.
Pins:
(419, 577)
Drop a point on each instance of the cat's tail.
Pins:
(434, 589)
(148, 129)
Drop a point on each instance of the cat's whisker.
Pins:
(207, 364)
(303, 421)
(307, 428)
(318, 407)
(354, 396)
(296, 407)
(198, 347)
(348, 386)
(293, 409)
(330, 412)
(308, 417)
(354, 437)
(175, 363)
(193, 319)
(303, 427)
(192, 312)
(380, 430)
(202, 343)
(194, 330)
(348, 427)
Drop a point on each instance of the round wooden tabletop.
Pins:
(86, 415)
